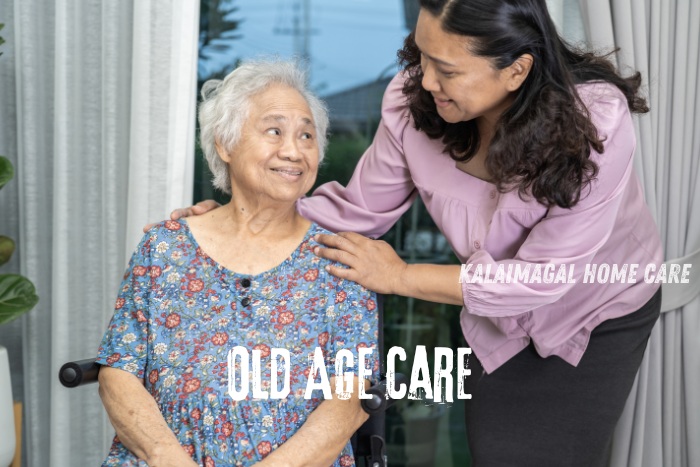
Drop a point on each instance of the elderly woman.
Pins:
(242, 275)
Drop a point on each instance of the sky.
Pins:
(352, 41)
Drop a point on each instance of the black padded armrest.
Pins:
(73, 374)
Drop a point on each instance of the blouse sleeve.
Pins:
(125, 344)
(569, 237)
(380, 190)
(354, 327)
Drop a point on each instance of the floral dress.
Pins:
(179, 313)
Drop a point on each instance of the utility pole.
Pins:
(305, 53)
(301, 29)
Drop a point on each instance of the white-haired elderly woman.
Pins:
(241, 276)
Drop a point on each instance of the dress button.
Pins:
(477, 244)
(245, 282)
(492, 195)
(245, 301)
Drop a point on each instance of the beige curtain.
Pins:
(661, 423)
(98, 103)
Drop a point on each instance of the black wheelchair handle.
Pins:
(81, 372)
(379, 401)
(73, 374)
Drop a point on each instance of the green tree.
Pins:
(342, 155)
(217, 32)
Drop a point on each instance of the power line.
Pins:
(301, 29)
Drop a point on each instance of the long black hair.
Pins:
(543, 141)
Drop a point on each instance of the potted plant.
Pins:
(17, 293)
(17, 296)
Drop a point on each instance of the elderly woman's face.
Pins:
(277, 154)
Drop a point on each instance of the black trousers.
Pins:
(543, 412)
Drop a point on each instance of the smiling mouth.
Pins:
(290, 172)
(442, 102)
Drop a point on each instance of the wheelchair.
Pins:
(368, 442)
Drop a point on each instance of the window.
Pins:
(351, 50)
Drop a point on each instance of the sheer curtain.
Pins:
(661, 38)
(99, 122)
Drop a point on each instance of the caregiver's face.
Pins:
(464, 86)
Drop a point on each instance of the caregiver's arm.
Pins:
(375, 265)
(432, 282)
(570, 237)
(138, 421)
(381, 188)
(324, 434)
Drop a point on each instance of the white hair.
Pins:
(225, 107)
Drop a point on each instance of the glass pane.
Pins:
(424, 433)
(351, 51)
(350, 47)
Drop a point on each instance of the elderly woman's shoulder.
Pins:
(167, 230)
(168, 226)
(310, 243)
(321, 263)
(167, 239)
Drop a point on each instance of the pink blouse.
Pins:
(610, 225)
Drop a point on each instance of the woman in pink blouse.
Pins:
(522, 150)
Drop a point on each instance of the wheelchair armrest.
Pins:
(379, 401)
(73, 374)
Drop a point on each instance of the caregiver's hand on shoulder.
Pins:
(199, 208)
(372, 263)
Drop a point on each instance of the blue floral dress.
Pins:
(179, 313)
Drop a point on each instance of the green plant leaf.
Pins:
(17, 296)
(6, 170)
(7, 247)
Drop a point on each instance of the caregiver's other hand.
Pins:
(372, 263)
(196, 210)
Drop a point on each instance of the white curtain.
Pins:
(98, 102)
(567, 18)
(661, 38)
